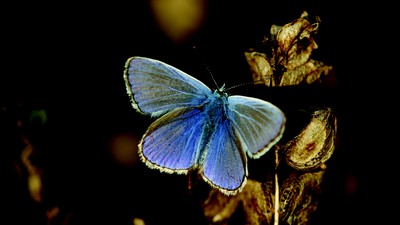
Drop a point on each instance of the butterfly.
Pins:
(197, 128)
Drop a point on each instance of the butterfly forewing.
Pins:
(259, 124)
(155, 87)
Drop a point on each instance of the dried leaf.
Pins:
(256, 207)
(289, 63)
(259, 67)
(299, 196)
(290, 195)
(295, 42)
(308, 72)
(315, 144)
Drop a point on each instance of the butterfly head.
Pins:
(221, 92)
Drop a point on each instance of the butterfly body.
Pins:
(197, 129)
(216, 109)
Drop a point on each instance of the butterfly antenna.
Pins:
(205, 66)
(239, 85)
(260, 81)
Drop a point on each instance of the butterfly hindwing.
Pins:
(259, 124)
(155, 87)
(225, 164)
(173, 141)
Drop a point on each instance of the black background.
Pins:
(68, 59)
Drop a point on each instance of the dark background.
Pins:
(68, 59)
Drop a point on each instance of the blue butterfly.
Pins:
(197, 128)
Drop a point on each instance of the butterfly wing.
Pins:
(225, 163)
(155, 87)
(258, 124)
(172, 142)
